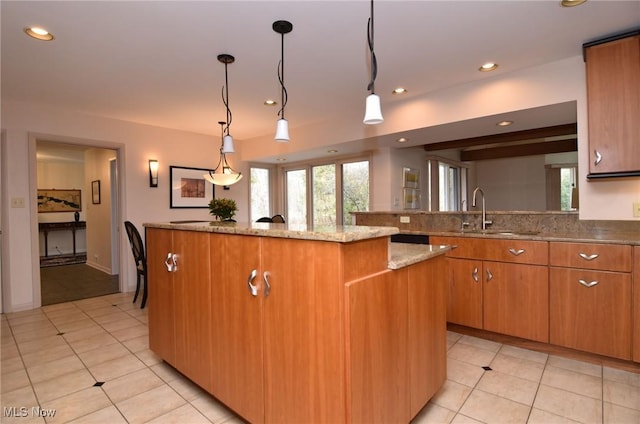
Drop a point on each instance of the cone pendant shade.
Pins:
(227, 144)
(282, 130)
(373, 111)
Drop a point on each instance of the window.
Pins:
(355, 189)
(568, 182)
(324, 194)
(451, 183)
(296, 195)
(335, 190)
(260, 190)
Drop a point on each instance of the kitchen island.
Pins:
(293, 324)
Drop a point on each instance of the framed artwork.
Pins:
(95, 192)
(188, 187)
(410, 178)
(52, 200)
(411, 198)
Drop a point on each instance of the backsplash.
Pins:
(543, 222)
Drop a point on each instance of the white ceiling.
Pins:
(155, 62)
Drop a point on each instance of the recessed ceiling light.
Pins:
(39, 33)
(489, 66)
(270, 102)
(281, 159)
(571, 3)
(504, 123)
(332, 151)
(402, 140)
(400, 90)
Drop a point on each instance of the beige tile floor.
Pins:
(53, 357)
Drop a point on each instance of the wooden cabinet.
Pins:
(516, 300)
(377, 330)
(499, 285)
(291, 330)
(179, 308)
(591, 298)
(636, 304)
(236, 333)
(396, 327)
(613, 101)
(464, 305)
(427, 332)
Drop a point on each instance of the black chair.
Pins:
(265, 219)
(278, 219)
(137, 248)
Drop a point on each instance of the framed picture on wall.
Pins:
(52, 200)
(188, 187)
(411, 198)
(410, 178)
(95, 192)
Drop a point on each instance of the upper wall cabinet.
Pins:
(613, 98)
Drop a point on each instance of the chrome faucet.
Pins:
(484, 208)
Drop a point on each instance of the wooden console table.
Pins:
(73, 226)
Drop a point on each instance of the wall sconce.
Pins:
(153, 173)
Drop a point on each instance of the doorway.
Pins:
(78, 241)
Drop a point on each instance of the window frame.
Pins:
(337, 161)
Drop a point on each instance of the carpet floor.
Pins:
(73, 282)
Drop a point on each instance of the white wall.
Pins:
(552, 83)
(24, 124)
(98, 216)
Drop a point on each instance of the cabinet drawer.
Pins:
(595, 319)
(606, 257)
(517, 251)
(501, 250)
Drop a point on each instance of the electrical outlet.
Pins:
(405, 220)
(636, 209)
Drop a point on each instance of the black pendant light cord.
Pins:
(225, 99)
(284, 94)
(374, 62)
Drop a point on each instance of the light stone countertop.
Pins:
(605, 237)
(334, 233)
(405, 254)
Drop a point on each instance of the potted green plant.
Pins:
(224, 209)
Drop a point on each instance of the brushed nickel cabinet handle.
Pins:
(591, 284)
(474, 274)
(174, 259)
(489, 275)
(598, 157)
(252, 289)
(267, 286)
(588, 257)
(168, 264)
(515, 252)
(171, 262)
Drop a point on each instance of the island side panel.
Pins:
(160, 300)
(377, 342)
(427, 285)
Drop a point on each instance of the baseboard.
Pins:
(99, 267)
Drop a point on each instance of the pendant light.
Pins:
(282, 128)
(373, 111)
(223, 174)
(226, 175)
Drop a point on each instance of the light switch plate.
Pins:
(17, 202)
(636, 209)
